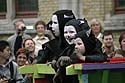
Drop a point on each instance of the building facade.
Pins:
(111, 12)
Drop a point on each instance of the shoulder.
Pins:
(27, 36)
(14, 64)
(11, 37)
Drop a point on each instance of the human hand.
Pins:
(79, 55)
(64, 61)
(3, 80)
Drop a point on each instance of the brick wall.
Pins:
(96, 8)
(46, 8)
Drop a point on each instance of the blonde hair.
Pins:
(94, 20)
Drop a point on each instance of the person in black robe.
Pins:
(67, 57)
(55, 46)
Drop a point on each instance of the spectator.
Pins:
(119, 53)
(15, 41)
(97, 28)
(108, 46)
(21, 57)
(122, 41)
(40, 38)
(29, 45)
(8, 68)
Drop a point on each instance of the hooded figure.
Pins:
(50, 48)
(92, 53)
(78, 28)
(70, 30)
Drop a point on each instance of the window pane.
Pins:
(3, 7)
(27, 5)
(121, 3)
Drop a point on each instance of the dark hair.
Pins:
(40, 23)
(26, 40)
(107, 33)
(3, 45)
(121, 37)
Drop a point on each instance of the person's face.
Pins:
(30, 46)
(21, 59)
(123, 44)
(40, 29)
(69, 33)
(96, 27)
(79, 45)
(108, 41)
(55, 25)
(6, 53)
(19, 26)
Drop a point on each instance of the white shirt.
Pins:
(39, 41)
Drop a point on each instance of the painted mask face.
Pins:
(79, 45)
(69, 33)
(55, 25)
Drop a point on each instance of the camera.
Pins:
(22, 29)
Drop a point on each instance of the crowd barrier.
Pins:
(107, 72)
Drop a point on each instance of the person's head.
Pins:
(85, 44)
(40, 27)
(19, 26)
(59, 19)
(96, 26)
(108, 39)
(119, 53)
(21, 56)
(5, 51)
(73, 27)
(29, 45)
(122, 40)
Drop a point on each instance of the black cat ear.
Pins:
(68, 16)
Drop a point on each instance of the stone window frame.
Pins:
(25, 13)
(119, 10)
(4, 9)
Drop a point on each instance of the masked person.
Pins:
(55, 46)
(49, 51)
(71, 29)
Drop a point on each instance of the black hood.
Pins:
(63, 17)
(79, 24)
(89, 41)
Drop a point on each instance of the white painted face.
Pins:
(79, 45)
(55, 25)
(69, 33)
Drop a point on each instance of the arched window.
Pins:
(26, 8)
(120, 6)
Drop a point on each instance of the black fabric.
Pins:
(89, 42)
(18, 44)
(54, 47)
(79, 24)
(63, 17)
(12, 80)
